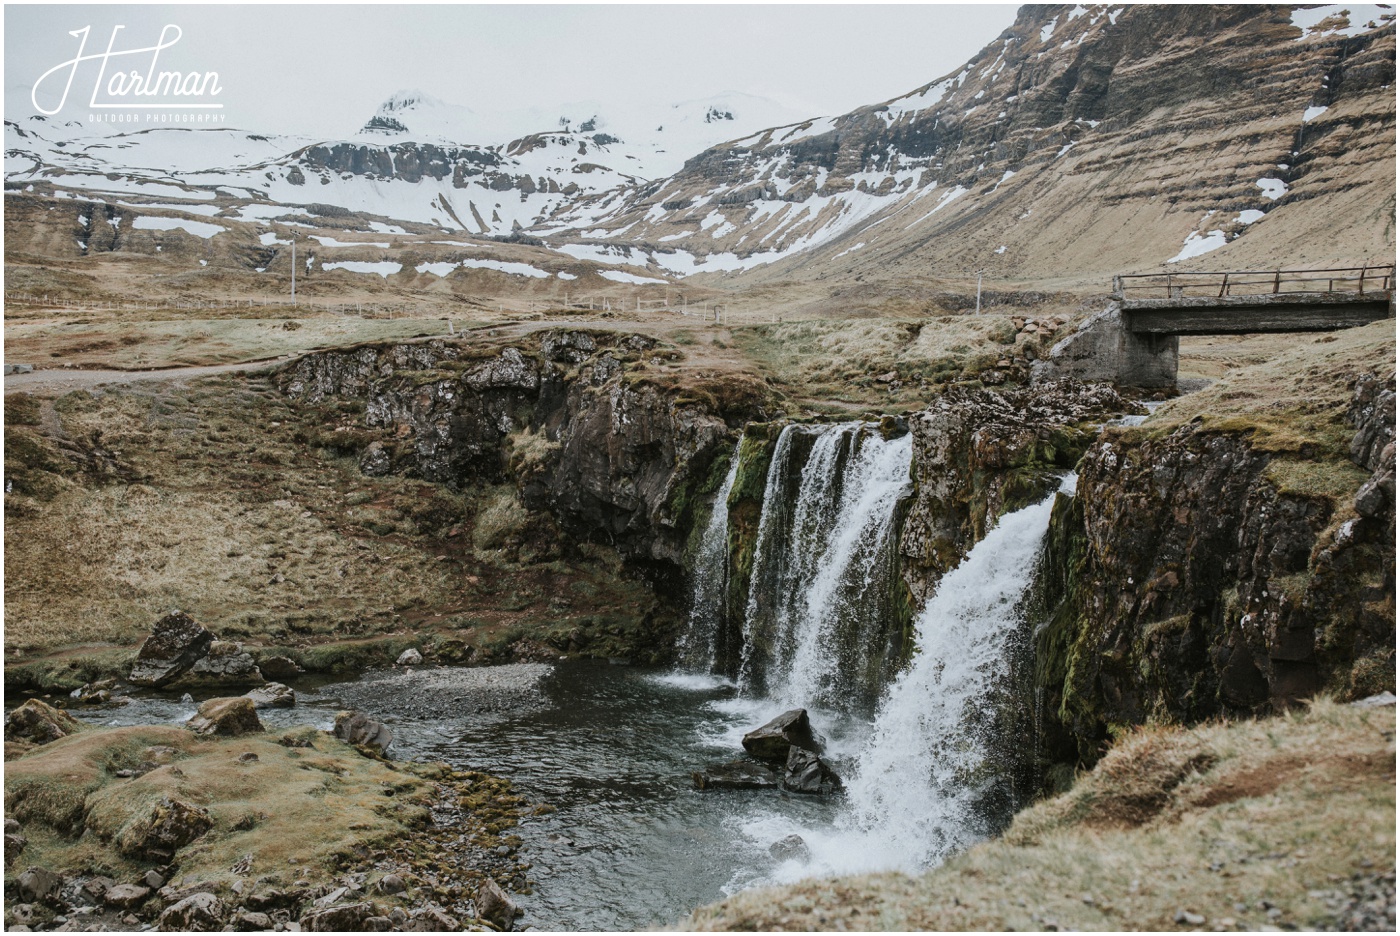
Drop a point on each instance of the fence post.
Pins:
(1278, 275)
(1361, 283)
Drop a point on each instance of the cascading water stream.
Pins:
(819, 591)
(916, 793)
(696, 648)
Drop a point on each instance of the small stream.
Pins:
(633, 844)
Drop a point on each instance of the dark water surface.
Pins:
(632, 844)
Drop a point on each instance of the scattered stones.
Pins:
(1189, 918)
(789, 848)
(362, 731)
(229, 717)
(790, 729)
(199, 913)
(247, 757)
(736, 775)
(272, 695)
(409, 657)
(176, 643)
(153, 880)
(495, 906)
(34, 721)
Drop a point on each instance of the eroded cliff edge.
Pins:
(1234, 556)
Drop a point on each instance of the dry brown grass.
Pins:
(1224, 820)
(221, 498)
(1294, 399)
(135, 344)
(837, 359)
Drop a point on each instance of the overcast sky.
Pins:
(322, 70)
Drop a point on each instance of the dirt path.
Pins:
(62, 380)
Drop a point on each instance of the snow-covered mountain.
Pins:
(647, 141)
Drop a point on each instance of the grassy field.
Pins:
(1286, 822)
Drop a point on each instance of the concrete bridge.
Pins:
(1135, 341)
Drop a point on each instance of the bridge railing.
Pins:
(1354, 280)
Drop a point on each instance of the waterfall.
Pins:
(913, 798)
(824, 563)
(696, 648)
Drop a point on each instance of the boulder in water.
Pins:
(790, 847)
(805, 772)
(176, 643)
(227, 716)
(362, 731)
(790, 729)
(272, 695)
(736, 775)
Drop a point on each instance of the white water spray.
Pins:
(914, 790)
(696, 648)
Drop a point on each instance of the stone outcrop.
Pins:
(979, 454)
(228, 717)
(176, 643)
(197, 913)
(1185, 581)
(38, 723)
(588, 427)
(225, 663)
(772, 741)
(171, 825)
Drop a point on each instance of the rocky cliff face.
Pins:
(577, 420)
(979, 454)
(1189, 579)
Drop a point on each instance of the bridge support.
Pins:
(1104, 349)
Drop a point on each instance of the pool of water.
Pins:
(632, 843)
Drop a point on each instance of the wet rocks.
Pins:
(198, 913)
(790, 848)
(228, 717)
(495, 906)
(176, 643)
(272, 695)
(409, 657)
(790, 729)
(736, 775)
(38, 723)
(805, 772)
(360, 730)
(96, 693)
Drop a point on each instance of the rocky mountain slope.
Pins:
(1083, 139)
(1082, 142)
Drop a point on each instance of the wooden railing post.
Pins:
(1278, 274)
(1361, 283)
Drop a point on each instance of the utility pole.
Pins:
(294, 268)
(979, 293)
